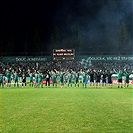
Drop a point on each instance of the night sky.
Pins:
(32, 26)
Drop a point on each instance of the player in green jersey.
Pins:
(76, 78)
(15, 77)
(69, 79)
(40, 78)
(61, 75)
(83, 74)
(1, 80)
(127, 74)
(120, 74)
(31, 78)
(8, 76)
(54, 78)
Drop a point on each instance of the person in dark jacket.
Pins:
(48, 78)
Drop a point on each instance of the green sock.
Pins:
(42, 85)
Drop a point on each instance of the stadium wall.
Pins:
(82, 58)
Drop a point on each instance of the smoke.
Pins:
(98, 21)
(101, 31)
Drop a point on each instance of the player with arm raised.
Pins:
(54, 77)
(120, 74)
(40, 78)
(15, 77)
(83, 74)
(76, 78)
(8, 76)
(23, 78)
(31, 78)
(61, 75)
(127, 74)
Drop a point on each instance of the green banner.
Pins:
(106, 58)
(25, 58)
(82, 58)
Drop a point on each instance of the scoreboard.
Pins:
(63, 54)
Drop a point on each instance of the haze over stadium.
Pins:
(85, 25)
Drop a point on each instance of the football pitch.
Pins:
(66, 110)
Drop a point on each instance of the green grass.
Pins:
(66, 110)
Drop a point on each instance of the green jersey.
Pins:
(1, 78)
(36, 77)
(127, 76)
(15, 76)
(76, 77)
(54, 77)
(61, 75)
(40, 76)
(83, 74)
(69, 77)
(31, 77)
(8, 75)
(120, 74)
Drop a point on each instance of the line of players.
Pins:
(37, 77)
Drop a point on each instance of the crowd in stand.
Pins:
(65, 65)
(43, 66)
